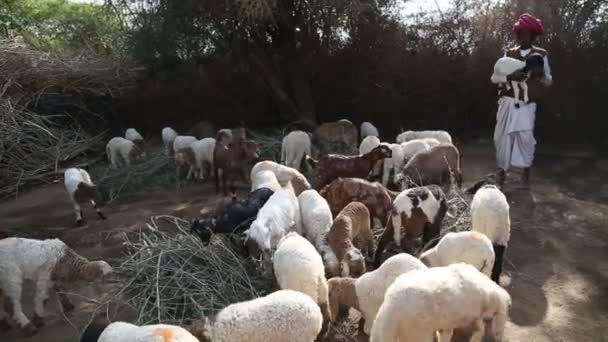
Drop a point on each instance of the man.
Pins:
(514, 132)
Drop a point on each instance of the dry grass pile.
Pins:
(171, 277)
(35, 148)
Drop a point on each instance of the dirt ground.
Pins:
(556, 268)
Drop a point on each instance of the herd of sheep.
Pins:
(318, 238)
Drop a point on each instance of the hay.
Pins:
(170, 277)
(269, 144)
(34, 148)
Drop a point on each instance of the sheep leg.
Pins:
(445, 335)
(12, 290)
(65, 301)
(478, 331)
(99, 213)
(217, 180)
(40, 298)
(4, 324)
(384, 239)
(78, 211)
(499, 252)
(524, 87)
(190, 171)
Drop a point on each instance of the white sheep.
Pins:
(265, 179)
(507, 65)
(127, 332)
(279, 215)
(282, 316)
(413, 147)
(431, 142)
(298, 266)
(182, 141)
(367, 145)
(285, 174)
(368, 129)
(442, 136)
(81, 189)
(421, 302)
(121, 148)
(294, 147)
(395, 163)
(366, 293)
(133, 135)
(168, 134)
(470, 247)
(490, 216)
(49, 264)
(203, 156)
(316, 222)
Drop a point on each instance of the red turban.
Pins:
(530, 23)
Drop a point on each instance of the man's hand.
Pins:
(517, 76)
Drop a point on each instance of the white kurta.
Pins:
(514, 131)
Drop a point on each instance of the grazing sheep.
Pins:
(185, 159)
(203, 156)
(284, 174)
(368, 144)
(232, 218)
(367, 129)
(294, 147)
(265, 179)
(366, 293)
(133, 135)
(316, 222)
(413, 147)
(168, 134)
(351, 224)
(433, 166)
(339, 132)
(282, 316)
(81, 189)
(376, 198)
(442, 136)
(203, 129)
(490, 216)
(332, 166)
(49, 264)
(298, 266)
(422, 302)
(124, 149)
(470, 247)
(127, 332)
(279, 215)
(229, 163)
(394, 163)
(182, 141)
(419, 211)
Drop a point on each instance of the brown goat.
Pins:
(340, 132)
(426, 205)
(332, 166)
(203, 129)
(374, 196)
(231, 161)
(433, 166)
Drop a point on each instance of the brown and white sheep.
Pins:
(185, 159)
(416, 212)
(331, 166)
(339, 132)
(351, 225)
(376, 197)
(433, 166)
(231, 161)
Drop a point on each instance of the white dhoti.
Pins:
(514, 134)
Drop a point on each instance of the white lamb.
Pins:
(49, 264)
(203, 155)
(431, 142)
(127, 332)
(282, 316)
(369, 143)
(490, 216)
(366, 293)
(298, 266)
(422, 302)
(168, 135)
(182, 141)
(394, 163)
(121, 148)
(413, 147)
(81, 189)
(265, 179)
(316, 222)
(279, 215)
(470, 247)
(294, 147)
(285, 174)
(507, 65)
(442, 136)
(368, 129)
(133, 135)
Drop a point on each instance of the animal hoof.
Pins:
(38, 321)
(29, 329)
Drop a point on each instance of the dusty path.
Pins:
(557, 261)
